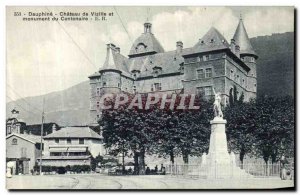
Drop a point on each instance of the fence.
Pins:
(248, 170)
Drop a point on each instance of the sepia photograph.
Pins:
(150, 98)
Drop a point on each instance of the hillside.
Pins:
(67, 107)
(275, 66)
(275, 77)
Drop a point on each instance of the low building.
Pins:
(72, 146)
(22, 149)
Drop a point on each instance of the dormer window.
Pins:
(156, 71)
(212, 40)
(141, 47)
(135, 74)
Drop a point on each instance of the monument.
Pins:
(218, 163)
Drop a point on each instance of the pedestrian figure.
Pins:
(147, 171)
(283, 171)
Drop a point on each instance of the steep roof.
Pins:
(241, 38)
(169, 62)
(146, 43)
(114, 60)
(74, 132)
(212, 40)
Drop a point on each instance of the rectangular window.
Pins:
(200, 74)
(56, 141)
(69, 141)
(206, 58)
(204, 90)
(208, 73)
(208, 91)
(200, 59)
(81, 141)
(157, 86)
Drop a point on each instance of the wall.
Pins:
(15, 151)
(168, 83)
(191, 80)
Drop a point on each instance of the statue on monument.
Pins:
(217, 105)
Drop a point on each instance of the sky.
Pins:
(43, 57)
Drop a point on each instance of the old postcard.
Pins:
(145, 98)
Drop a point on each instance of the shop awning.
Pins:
(68, 149)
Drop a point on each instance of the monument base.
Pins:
(219, 164)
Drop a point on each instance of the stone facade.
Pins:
(211, 63)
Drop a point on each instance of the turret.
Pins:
(247, 55)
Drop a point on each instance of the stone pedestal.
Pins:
(218, 163)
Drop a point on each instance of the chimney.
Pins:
(232, 45)
(147, 27)
(117, 49)
(179, 46)
(110, 46)
(53, 127)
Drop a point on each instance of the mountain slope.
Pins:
(67, 107)
(275, 65)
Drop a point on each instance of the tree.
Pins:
(241, 128)
(164, 131)
(275, 127)
(95, 161)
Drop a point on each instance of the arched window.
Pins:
(14, 141)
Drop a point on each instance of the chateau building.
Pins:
(212, 62)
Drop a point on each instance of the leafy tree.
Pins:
(241, 127)
(275, 127)
(95, 161)
(164, 131)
